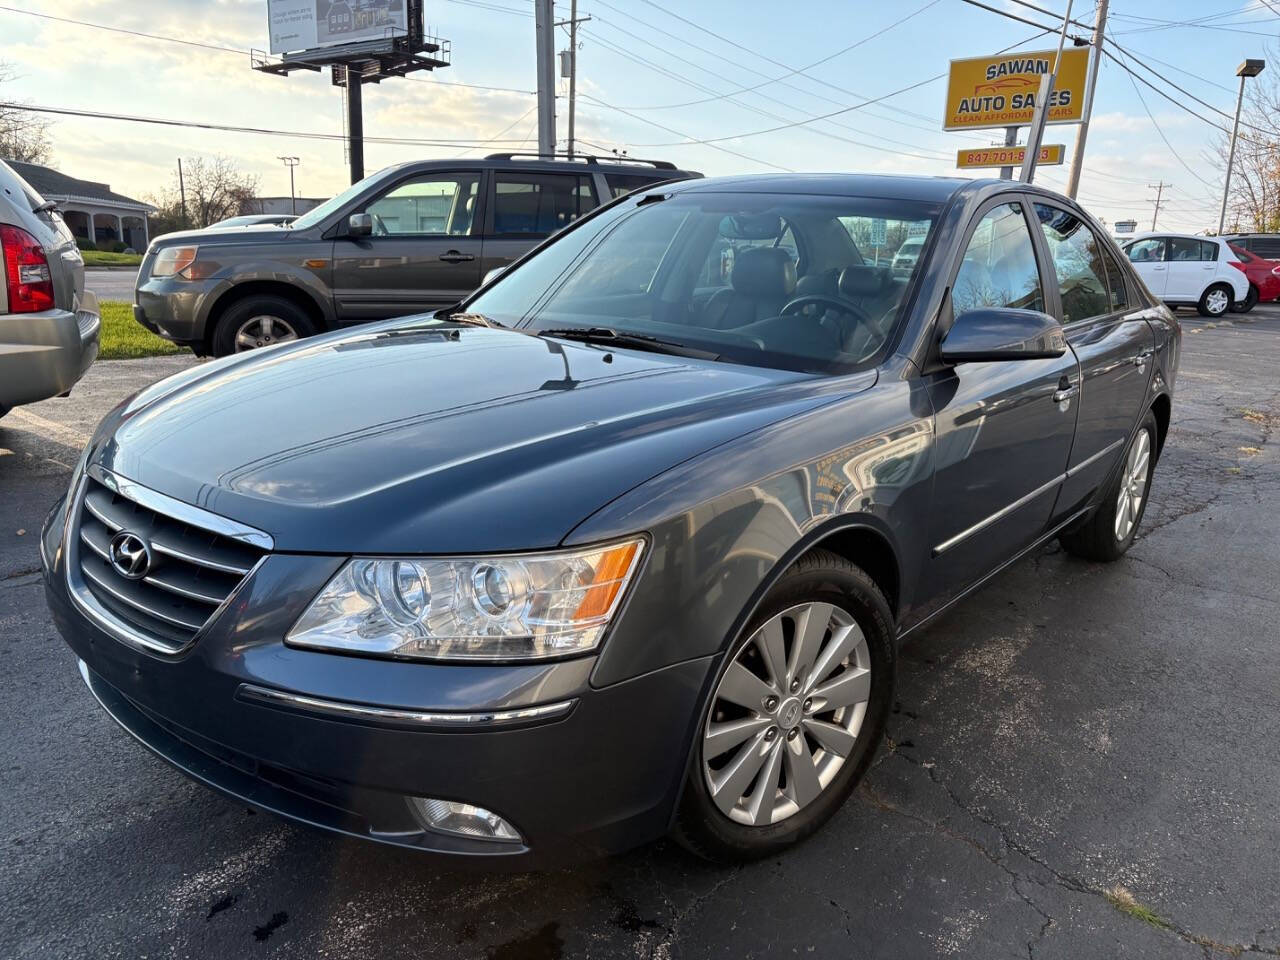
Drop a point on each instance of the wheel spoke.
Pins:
(244, 340)
(842, 642)
(744, 688)
(733, 779)
(773, 648)
(765, 795)
(811, 627)
(287, 335)
(852, 686)
(802, 775)
(723, 737)
(835, 738)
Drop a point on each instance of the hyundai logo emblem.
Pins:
(130, 555)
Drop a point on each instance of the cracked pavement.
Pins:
(1068, 730)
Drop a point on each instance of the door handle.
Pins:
(1066, 393)
(453, 256)
(1140, 361)
(1157, 268)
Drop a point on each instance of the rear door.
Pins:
(1107, 328)
(425, 251)
(524, 208)
(1189, 269)
(1148, 259)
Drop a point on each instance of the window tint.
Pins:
(429, 206)
(999, 268)
(1183, 249)
(1208, 250)
(1077, 262)
(1116, 282)
(620, 183)
(1146, 251)
(539, 204)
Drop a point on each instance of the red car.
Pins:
(1264, 278)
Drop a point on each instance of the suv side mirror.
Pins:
(1002, 333)
(359, 225)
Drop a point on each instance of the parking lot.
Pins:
(1083, 763)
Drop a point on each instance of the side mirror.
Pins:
(359, 225)
(1002, 333)
(492, 275)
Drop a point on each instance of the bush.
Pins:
(119, 246)
(85, 244)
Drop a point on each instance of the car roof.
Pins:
(655, 169)
(1168, 233)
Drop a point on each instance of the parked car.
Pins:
(607, 552)
(413, 237)
(255, 220)
(49, 323)
(1263, 276)
(1260, 244)
(904, 261)
(1187, 271)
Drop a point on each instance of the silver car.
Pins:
(49, 323)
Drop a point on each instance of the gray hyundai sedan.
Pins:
(625, 544)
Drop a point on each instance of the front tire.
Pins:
(1248, 303)
(259, 321)
(1215, 301)
(1109, 532)
(796, 714)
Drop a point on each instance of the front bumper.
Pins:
(598, 777)
(45, 354)
(174, 308)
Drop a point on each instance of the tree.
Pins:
(215, 189)
(24, 136)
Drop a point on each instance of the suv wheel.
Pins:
(259, 322)
(795, 716)
(1215, 301)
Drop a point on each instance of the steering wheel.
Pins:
(797, 306)
(379, 228)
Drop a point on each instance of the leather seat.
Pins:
(762, 282)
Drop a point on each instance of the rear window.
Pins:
(621, 183)
(539, 204)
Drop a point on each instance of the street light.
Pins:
(1250, 68)
(291, 162)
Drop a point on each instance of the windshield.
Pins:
(793, 282)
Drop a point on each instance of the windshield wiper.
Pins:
(468, 319)
(607, 336)
(45, 207)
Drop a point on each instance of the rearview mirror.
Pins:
(359, 225)
(1002, 333)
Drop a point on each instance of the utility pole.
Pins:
(1035, 134)
(1159, 188)
(569, 63)
(1250, 68)
(182, 192)
(1010, 140)
(1077, 158)
(544, 28)
(291, 162)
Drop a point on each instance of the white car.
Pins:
(904, 261)
(1183, 270)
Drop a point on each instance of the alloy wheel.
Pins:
(1217, 301)
(263, 330)
(1133, 485)
(786, 714)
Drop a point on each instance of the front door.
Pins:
(1148, 259)
(425, 251)
(1109, 333)
(1002, 439)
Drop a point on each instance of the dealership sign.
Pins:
(1050, 153)
(1001, 91)
(306, 24)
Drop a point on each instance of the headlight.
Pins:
(527, 607)
(173, 260)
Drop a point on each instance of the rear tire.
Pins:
(259, 321)
(1215, 301)
(810, 775)
(1107, 534)
(1248, 303)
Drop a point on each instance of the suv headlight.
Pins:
(525, 607)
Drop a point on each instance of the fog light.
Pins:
(462, 819)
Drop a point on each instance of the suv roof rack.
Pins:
(585, 157)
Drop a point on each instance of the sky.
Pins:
(654, 75)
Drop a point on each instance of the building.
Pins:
(280, 205)
(91, 210)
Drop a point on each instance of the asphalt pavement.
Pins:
(111, 284)
(1083, 763)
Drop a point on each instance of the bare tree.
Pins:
(1254, 201)
(215, 189)
(24, 136)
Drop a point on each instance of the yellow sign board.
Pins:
(1050, 154)
(1001, 91)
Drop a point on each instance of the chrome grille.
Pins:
(193, 569)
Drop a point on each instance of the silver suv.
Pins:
(49, 323)
(411, 238)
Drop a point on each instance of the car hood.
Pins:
(413, 438)
(221, 235)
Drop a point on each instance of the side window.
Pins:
(1146, 251)
(1077, 262)
(539, 204)
(1115, 280)
(620, 183)
(1182, 249)
(999, 267)
(432, 205)
(1208, 250)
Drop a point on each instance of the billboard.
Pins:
(1050, 153)
(306, 24)
(1001, 91)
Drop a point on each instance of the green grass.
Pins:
(101, 258)
(1123, 900)
(123, 338)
